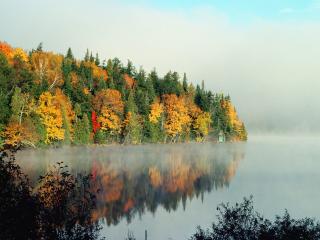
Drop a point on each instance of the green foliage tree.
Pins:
(132, 128)
(82, 131)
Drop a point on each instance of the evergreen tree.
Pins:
(170, 84)
(130, 69)
(67, 128)
(153, 76)
(82, 131)
(39, 48)
(67, 87)
(5, 109)
(87, 56)
(185, 83)
(66, 70)
(69, 54)
(152, 132)
(101, 85)
(97, 60)
(91, 58)
(5, 89)
(132, 129)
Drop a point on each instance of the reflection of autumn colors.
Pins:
(131, 180)
(124, 192)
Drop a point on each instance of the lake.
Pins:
(170, 189)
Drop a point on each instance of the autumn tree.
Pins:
(47, 67)
(177, 117)
(16, 134)
(21, 54)
(21, 105)
(156, 112)
(109, 121)
(110, 98)
(201, 125)
(7, 50)
(130, 82)
(51, 117)
(20, 129)
(63, 103)
(114, 102)
(235, 127)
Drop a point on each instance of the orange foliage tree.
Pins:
(130, 82)
(110, 98)
(10, 53)
(7, 50)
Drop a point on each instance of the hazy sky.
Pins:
(264, 53)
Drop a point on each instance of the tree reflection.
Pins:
(133, 180)
(131, 190)
(58, 208)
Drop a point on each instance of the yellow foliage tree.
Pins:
(20, 53)
(109, 121)
(64, 104)
(201, 125)
(177, 117)
(13, 134)
(97, 72)
(16, 134)
(156, 109)
(51, 117)
(235, 123)
(47, 66)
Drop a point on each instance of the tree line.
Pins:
(48, 98)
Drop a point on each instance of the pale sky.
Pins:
(265, 54)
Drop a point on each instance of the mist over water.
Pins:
(170, 189)
(135, 181)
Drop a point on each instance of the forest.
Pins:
(53, 99)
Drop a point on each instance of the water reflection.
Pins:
(131, 180)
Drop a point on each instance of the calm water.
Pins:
(170, 189)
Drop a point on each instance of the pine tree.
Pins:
(91, 58)
(66, 127)
(82, 131)
(101, 85)
(87, 56)
(97, 60)
(132, 128)
(69, 54)
(185, 83)
(39, 48)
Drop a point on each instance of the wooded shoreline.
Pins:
(52, 99)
